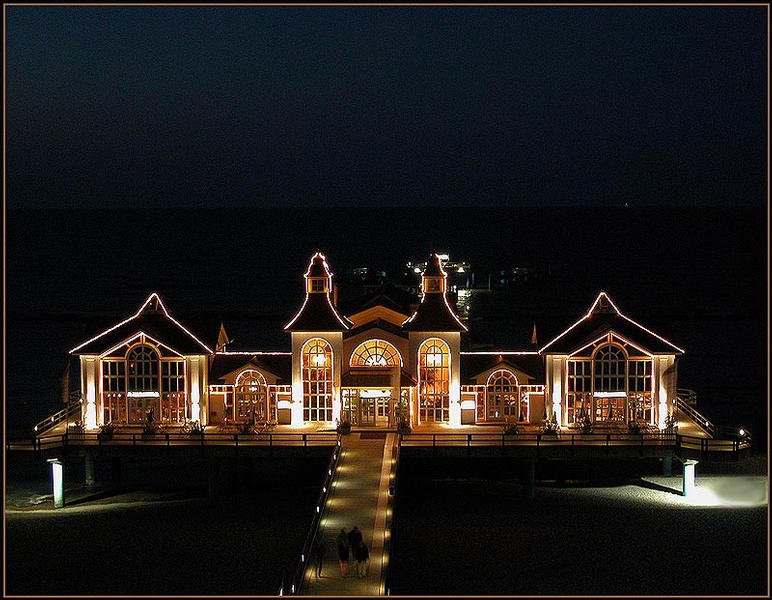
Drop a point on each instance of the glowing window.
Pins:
(434, 378)
(173, 390)
(250, 394)
(502, 395)
(376, 353)
(142, 367)
(316, 366)
(610, 369)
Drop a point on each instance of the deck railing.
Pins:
(177, 438)
(53, 420)
(388, 543)
(294, 585)
(688, 396)
(573, 440)
(695, 416)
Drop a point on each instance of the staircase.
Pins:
(72, 410)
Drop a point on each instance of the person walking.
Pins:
(342, 543)
(363, 559)
(319, 554)
(354, 539)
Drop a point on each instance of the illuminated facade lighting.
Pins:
(375, 375)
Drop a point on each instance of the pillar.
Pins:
(89, 468)
(688, 477)
(57, 478)
(667, 465)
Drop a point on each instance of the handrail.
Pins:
(662, 438)
(687, 395)
(53, 420)
(306, 554)
(697, 417)
(385, 587)
(176, 438)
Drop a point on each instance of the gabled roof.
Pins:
(387, 295)
(603, 317)
(153, 319)
(528, 362)
(277, 363)
(376, 324)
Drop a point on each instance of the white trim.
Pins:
(137, 314)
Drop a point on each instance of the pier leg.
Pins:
(214, 473)
(667, 465)
(89, 467)
(57, 477)
(688, 477)
(530, 479)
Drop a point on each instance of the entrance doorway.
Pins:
(367, 407)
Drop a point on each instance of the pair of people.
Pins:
(351, 546)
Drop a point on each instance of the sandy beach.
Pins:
(163, 539)
(634, 536)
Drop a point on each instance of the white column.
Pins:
(90, 364)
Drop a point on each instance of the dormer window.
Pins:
(433, 285)
(317, 285)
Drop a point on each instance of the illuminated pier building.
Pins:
(387, 360)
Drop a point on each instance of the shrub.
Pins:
(244, 428)
(194, 428)
(550, 427)
(76, 427)
(150, 428)
(511, 429)
(636, 427)
(107, 430)
(403, 427)
(586, 425)
(343, 427)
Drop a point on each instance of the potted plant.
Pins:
(511, 429)
(636, 427)
(244, 428)
(343, 427)
(586, 425)
(193, 428)
(550, 427)
(76, 430)
(403, 427)
(106, 431)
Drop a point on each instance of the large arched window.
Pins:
(375, 353)
(316, 366)
(142, 366)
(610, 365)
(610, 375)
(502, 395)
(434, 380)
(250, 395)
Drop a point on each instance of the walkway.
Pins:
(360, 494)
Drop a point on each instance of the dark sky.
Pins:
(405, 106)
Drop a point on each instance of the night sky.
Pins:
(400, 106)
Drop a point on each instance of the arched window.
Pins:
(250, 394)
(142, 366)
(375, 353)
(610, 376)
(502, 395)
(316, 367)
(610, 366)
(434, 380)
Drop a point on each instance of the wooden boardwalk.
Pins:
(360, 495)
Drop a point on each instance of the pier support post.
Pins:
(667, 465)
(530, 479)
(89, 468)
(57, 478)
(688, 477)
(214, 474)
